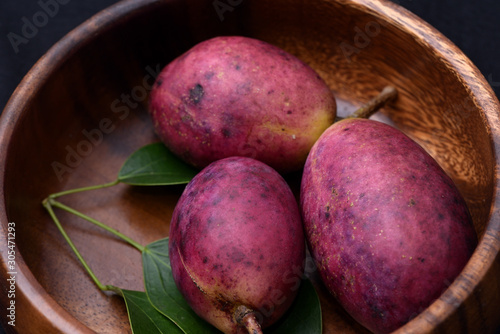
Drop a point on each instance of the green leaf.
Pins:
(304, 316)
(144, 318)
(154, 165)
(163, 293)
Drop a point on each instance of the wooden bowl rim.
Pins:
(483, 97)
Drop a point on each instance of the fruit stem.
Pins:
(388, 94)
(246, 317)
(78, 190)
(48, 206)
(59, 205)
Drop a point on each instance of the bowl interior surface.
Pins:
(83, 110)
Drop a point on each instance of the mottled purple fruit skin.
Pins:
(236, 238)
(386, 225)
(239, 96)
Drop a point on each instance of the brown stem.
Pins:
(246, 317)
(388, 94)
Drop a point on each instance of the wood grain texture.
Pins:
(94, 80)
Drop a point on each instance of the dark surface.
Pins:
(17, 60)
(473, 26)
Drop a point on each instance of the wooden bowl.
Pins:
(82, 110)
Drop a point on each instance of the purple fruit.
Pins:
(238, 96)
(236, 242)
(386, 225)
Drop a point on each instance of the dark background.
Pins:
(474, 26)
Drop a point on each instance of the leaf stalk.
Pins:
(79, 190)
(120, 235)
(48, 206)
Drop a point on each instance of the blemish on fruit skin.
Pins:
(196, 94)
(209, 75)
(376, 312)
